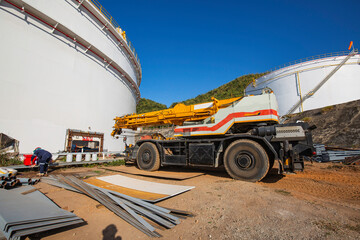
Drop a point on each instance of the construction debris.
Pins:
(25, 211)
(9, 144)
(325, 155)
(9, 181)
(6, 170)
(132, 210)
(355, 160)
(62, 164)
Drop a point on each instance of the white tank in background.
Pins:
(293, 84)
(64, 65)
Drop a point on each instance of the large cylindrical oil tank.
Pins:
(292, 83)
(64, 65)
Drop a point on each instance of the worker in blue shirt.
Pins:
(44, 158)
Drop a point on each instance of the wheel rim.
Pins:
(244, 160)
(146, 156)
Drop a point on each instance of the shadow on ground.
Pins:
(273, 176)
(109, 233)
(38, 236)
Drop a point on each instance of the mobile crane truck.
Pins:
(243, 134)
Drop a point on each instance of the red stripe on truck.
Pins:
(228, 119)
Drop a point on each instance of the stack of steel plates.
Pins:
(131, 209)
(8, 181)
(338, 155)
(25, 211)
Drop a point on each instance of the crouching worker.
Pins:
(44, 158)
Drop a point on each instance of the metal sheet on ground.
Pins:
(145, 186)
(157, 174)
(13, 203)
(26, 210)
(127, 191)
(42, 229)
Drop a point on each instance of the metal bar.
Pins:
(130, 211)
(149, 214)
(112, 200)
(144, 204)
(136, 200)
(111, 206)
(155, 209)
(142, 210)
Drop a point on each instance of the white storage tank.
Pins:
(293, 82)
(64, 65)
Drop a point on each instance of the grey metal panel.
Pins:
(42, 229)
(39, 224)
(25, 210)
(37, 207)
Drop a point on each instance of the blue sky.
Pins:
(189, 47)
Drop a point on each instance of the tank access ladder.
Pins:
(318, 86)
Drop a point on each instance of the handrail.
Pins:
(319, 85)
(111, 20)
(334, 54)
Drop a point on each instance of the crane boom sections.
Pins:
(176, 115)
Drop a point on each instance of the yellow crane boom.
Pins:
(176, 115)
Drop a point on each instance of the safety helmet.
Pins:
(37, 149)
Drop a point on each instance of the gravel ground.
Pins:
(323, 202)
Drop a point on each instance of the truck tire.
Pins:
(148, 157)
(246, 160)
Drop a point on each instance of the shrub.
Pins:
(6, 159)
(306, 119)
(326, 109)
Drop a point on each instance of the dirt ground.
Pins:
(323, 202)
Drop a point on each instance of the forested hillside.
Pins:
(235, 88)
(147, 105)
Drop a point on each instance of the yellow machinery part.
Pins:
(176, 115)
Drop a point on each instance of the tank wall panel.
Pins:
(48, 86)
(87, 27)
(340, 88)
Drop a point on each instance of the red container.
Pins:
(27, 160)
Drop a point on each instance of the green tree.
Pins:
(232, 89)
(235, 88)
(147, 105)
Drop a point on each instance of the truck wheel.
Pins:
(148, 157)
(246, 160)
